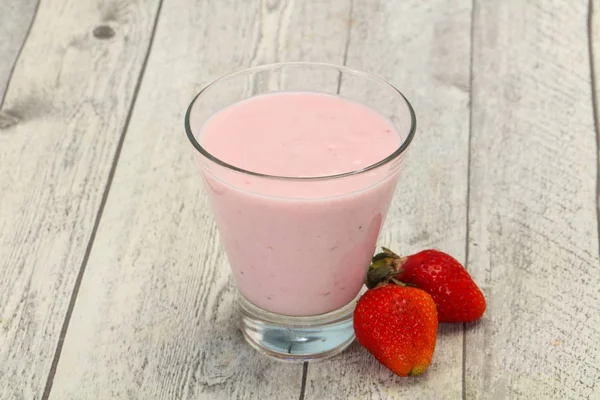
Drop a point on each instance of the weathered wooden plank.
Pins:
(15, 20)
(154, 315)
(422, 48)
(66, 106)
(533, 241)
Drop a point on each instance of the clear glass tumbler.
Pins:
(299, 260)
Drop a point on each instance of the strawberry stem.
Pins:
(384, 267)
(389, 253)
(397, 282)
(378, 274)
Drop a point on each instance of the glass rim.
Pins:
(394, 155)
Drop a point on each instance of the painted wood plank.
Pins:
(15, 20)
(423, 49)
(533, 238)
(154, 315)
(68, 101)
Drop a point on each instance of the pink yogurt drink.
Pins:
(299, 244)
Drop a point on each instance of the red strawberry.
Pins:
(457, 297)
(398, 325)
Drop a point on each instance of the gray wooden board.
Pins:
(423, 49)
(533, 239)
(154, 316)
(15, 20)
(67, 101)
(154, 319)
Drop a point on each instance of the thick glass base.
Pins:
(296, 338)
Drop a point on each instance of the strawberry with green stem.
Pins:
(457, 297)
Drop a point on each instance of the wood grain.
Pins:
(154, 315)
(66, 105)
(423, 49)
(15, 20)
(533, 242)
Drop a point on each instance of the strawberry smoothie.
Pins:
(299, 247)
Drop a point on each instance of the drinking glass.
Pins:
(299, 260)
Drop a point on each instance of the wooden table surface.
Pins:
(113, 281)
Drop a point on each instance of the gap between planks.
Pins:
(18, 56)
(304, 375)
(339, 86)
(88, 249)
(590, 37)
(468, 192)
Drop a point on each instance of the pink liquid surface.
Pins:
(299, 247)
